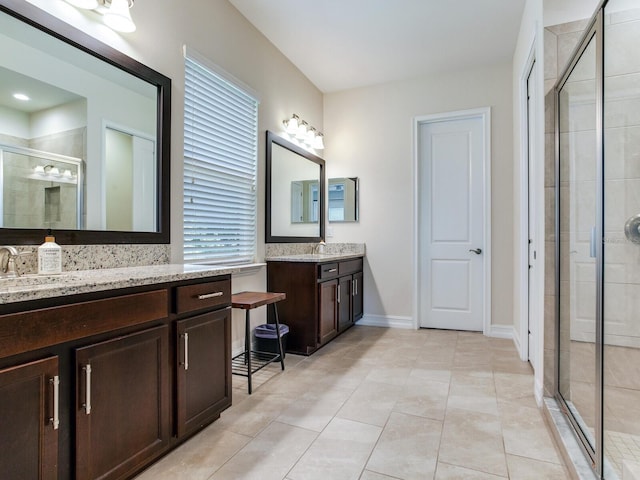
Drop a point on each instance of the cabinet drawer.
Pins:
(327, 270)
(203, 295)
(350, 266)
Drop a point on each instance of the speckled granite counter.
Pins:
(314, 257)
(33, 287)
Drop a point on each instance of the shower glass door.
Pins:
(577, 219)
(621, 280)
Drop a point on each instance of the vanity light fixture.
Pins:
(115, 13)
(303, 133)
(85, 4)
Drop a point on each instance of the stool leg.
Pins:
(247, 347)
(275, 314)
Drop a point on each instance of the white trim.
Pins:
(526, 184)
(503, 331)
(386, 321)
(485, 115)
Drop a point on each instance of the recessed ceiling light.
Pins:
(21, 96)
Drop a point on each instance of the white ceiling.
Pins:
(342, 44)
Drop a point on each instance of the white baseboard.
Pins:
(386, 321)
(502, 331)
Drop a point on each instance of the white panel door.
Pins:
(452, 224)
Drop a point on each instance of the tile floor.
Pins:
(379, 404)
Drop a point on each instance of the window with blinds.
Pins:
(220, 156)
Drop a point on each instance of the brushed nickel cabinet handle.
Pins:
(353, 288)
(332, 270)
(87, 393)
(338, 294)
(55, 420)
(355, 281)
(204, 296)
(186, 351)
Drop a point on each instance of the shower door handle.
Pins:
(592, 250)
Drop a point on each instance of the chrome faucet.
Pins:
(319, 248)
(8, 257)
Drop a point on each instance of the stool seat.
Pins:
(249, 300)
(250, 361)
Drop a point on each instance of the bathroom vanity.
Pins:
(324, 296)
(102, 372)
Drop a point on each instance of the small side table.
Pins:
(250, 361)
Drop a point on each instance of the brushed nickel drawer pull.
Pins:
(204, 296)
(332, 270)
(55, 381)
(338, 293)
(87, 394)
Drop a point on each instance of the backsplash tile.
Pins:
(285, 249)
(92, 257)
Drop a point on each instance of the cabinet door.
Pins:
(345, 290)
(28, 420)
(122, 411)
(328, 324)
(358, 303)
(204, 369)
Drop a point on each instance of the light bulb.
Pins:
(301, 134)
(318, 143)
(118, 17)
(291, 125)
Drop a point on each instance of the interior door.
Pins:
(452, 223)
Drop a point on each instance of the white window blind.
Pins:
(220, 155)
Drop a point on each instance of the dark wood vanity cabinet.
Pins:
(29, 420)
(109, 370)
(123, 401)
(203, 369)
(323, 299)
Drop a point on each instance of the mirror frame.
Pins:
(278, 140)
(43, 21)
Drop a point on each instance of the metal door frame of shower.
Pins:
(595, 30)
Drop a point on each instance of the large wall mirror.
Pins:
(295, 193)
(85, 150)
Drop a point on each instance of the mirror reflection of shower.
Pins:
(40, 188)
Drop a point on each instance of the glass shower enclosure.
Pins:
(598, 239)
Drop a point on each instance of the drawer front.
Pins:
(327, 270)
(350, 266)
(203, 296)
(21, 332)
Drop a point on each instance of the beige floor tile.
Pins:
(527, 469)
(371, 403)
(315, 409)
(513, 387)
(255, 413)
(408, 447)
(391, 375)
(340, 452)
(367, 475)
(199, 457)
(473, 440)
(452, 472)
(525, 433)
(269, 456)
(424, 398)
(474, 391)
(433, 374)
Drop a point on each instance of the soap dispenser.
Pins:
(49, 256)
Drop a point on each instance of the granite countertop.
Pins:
(314, 257)
(33, 287)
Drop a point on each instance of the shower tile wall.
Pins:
(29, 203)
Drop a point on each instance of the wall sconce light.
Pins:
(115, 12)
(304, 133)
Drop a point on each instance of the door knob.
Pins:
(477, 251)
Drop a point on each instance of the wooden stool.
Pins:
(250, 361)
